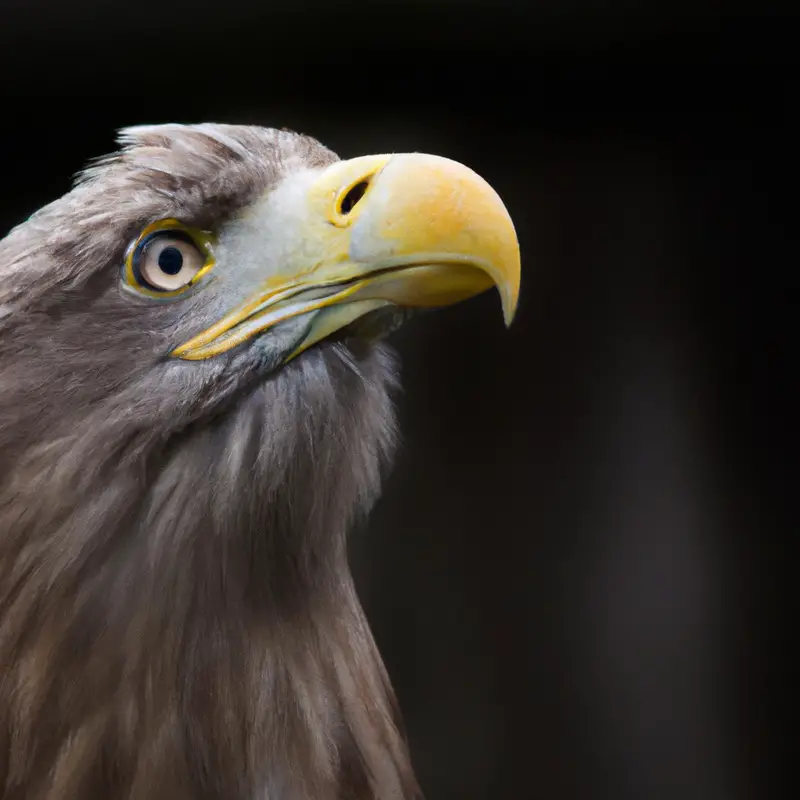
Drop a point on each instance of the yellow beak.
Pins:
(409, 230)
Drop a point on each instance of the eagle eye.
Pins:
(167, 259)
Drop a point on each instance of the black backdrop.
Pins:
(577, 570)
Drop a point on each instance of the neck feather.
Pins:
(177, 617)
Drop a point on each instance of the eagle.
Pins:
(196, 404)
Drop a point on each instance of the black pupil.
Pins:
(170, 260)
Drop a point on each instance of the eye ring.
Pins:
(168, 259)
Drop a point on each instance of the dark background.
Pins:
(579, 572)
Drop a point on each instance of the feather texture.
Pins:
(177, 617)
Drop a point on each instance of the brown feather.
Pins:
(177, 617)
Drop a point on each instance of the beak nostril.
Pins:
(351, 197)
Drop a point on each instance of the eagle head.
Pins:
(195, 403)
